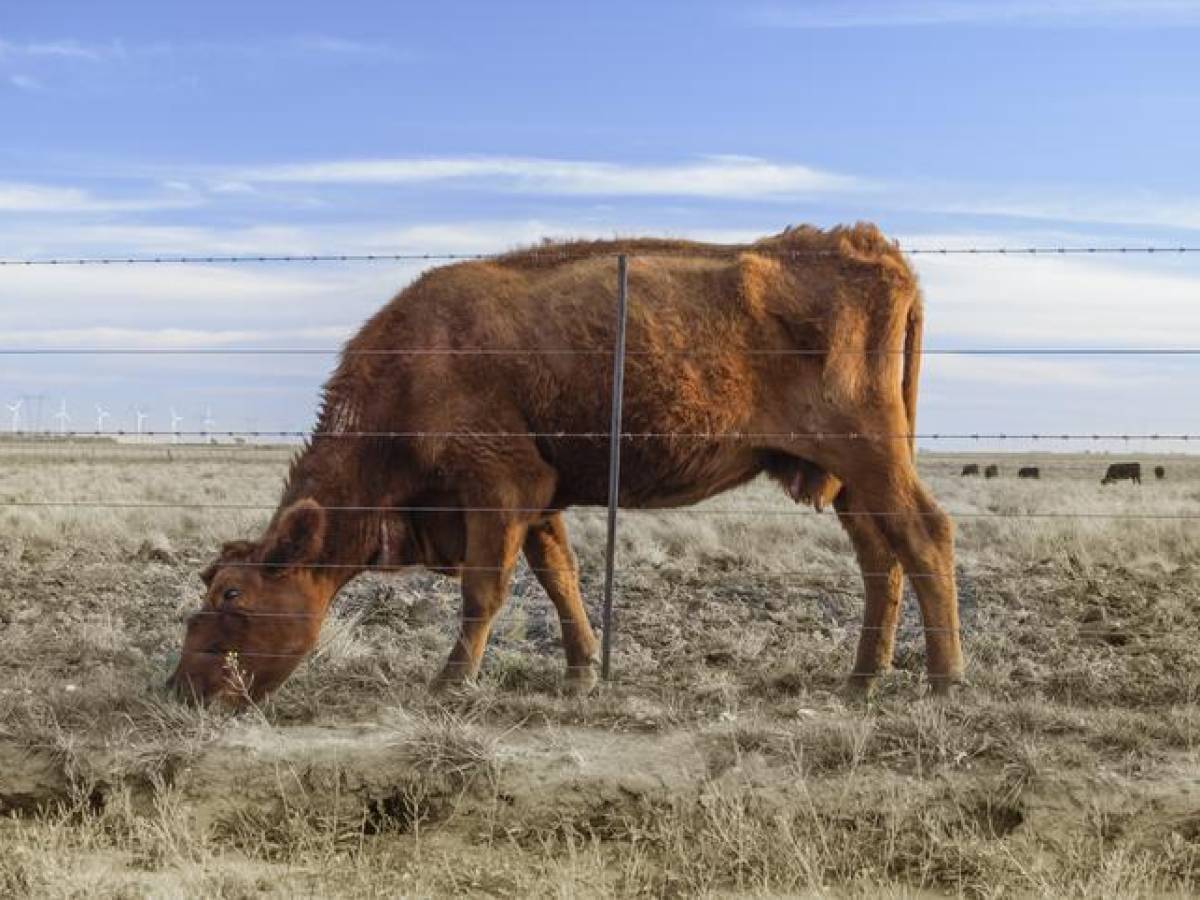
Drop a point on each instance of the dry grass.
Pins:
(722, 760)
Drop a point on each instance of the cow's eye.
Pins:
(231, 594)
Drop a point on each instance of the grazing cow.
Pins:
(970, 469)
(796, 355)
(1029, 472)
(1131, 471)
(991, 472)
(1159, 473)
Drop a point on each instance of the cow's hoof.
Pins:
(581, 680)
(860, 688)
(452, 678)
(947, 686)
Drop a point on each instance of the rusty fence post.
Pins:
(614, 463)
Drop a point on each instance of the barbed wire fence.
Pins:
(616, 437)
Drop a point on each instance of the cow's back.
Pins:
(717, 342)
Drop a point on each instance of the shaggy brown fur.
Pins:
(797, 355)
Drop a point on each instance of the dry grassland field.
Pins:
(722, 759)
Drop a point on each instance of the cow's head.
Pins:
(262, 612)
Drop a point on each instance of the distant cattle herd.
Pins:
(1122, 471)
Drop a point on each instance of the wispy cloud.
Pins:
(177, 338)
(1023, 372)
(715, 177)
(307, 45)
(59, 49)
(1059, 202)
(25, 82)
(19, 197)
(288, 185)
(1027, 13)
(42, 198)
(1059, 302)
(340, 46)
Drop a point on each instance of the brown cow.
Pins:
(1029, 472)
(1159, 473)
(969, 469)
(796, 355)
(991, 472)
(1130, 471)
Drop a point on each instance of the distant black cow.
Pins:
(991, 472)
(1123, 472)
(1160, 473)
(1029, 472)
(970, 469)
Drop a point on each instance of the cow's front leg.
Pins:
(493, 541)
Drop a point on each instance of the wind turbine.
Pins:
(175, 420)
(208, 423)
(63, 417)
(141, 417)
(101, 415)
(15, 409)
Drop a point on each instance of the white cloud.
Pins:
(339, 46)
(41, 198)
(749, 179)
(1057, 204)
(312, 45)
(108, 338)
(483, 236)
(18, 197)
(61, 49)
(909, 13)
(25, 82)
(1026, 372)
(166, 296)
(1066, 302)
(227, 186)
(713, 177)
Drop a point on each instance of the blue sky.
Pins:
(131, 128)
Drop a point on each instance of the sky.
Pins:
(129, 128)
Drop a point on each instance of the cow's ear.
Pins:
(231, 552)
(296, 538)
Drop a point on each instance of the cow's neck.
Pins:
(335, 473)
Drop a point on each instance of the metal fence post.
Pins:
(614, 463)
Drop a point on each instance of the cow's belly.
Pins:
(653, 474)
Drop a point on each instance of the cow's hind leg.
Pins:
(883, 582)
(922, 537)
(548, 550)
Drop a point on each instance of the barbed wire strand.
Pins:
(536, 511)
(576, 351)
(566, 254)
(19, 434)
(416, 569)
(1048, 462)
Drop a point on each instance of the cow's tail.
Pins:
(912, 367)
